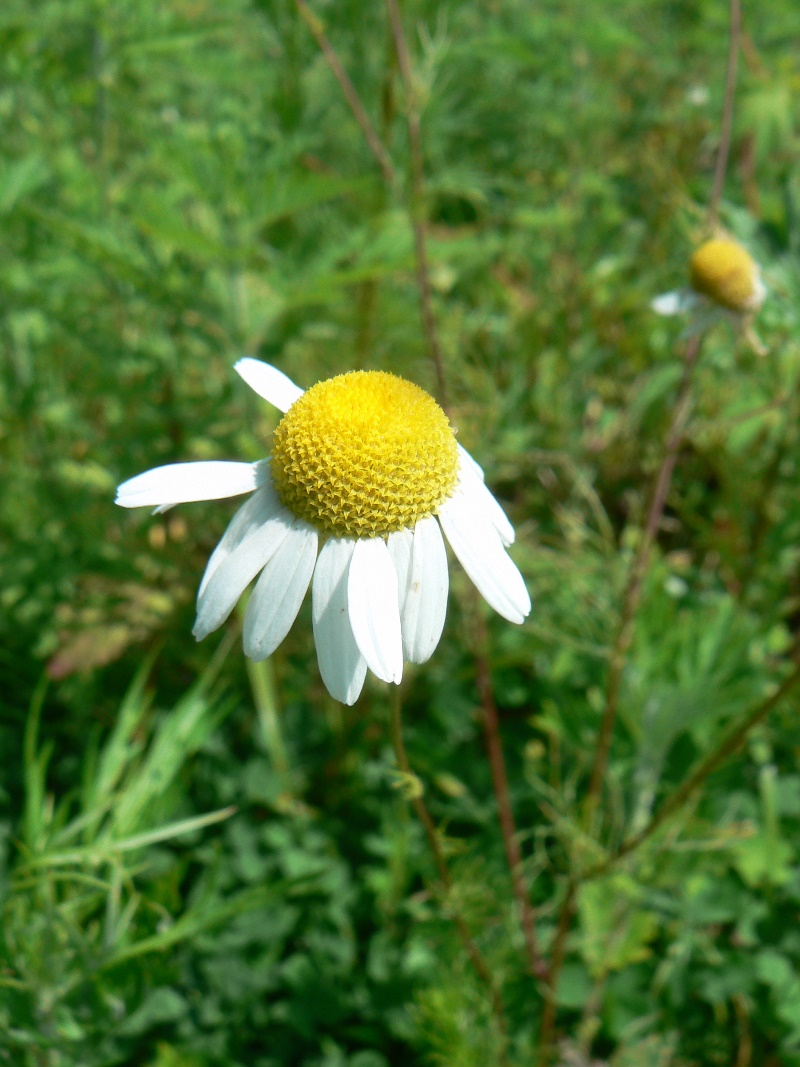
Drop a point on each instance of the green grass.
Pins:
(207, 863)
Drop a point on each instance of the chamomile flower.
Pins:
(723, 278)
(364, 477)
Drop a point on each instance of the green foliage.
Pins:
(207, 863)
(93, 885)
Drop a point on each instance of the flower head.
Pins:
(727, 274)
(364, 454)
(366, 466)
(722, 274)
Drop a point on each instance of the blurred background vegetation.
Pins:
(182, 183)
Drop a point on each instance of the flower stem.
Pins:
(262, 683)
(424, 816)
(636, 576)
(622, 642)
(726, 747)
(632, 596)
(734, 36)
(505, 813)
(261, 676)
(547, 1028)
(348, 90)
(381, 154)
(418, 200)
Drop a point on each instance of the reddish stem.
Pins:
(508, 829)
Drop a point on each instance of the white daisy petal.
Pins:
(372, 604)
(270, 383)
(279, 591)
(469, 461)
(674, 303)
(261, 506)
(759, 293)
(374, 600)
(483, 501)
(341, 665)
(480, 551)
(249, 543)
(425, 607)
(182, 483)
(400, 544)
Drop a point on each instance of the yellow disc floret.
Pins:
(724, 272)
(364, 454)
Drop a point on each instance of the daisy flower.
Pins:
(723, 277)
(364, 477)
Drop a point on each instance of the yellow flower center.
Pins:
(364, 454)
(722, 270)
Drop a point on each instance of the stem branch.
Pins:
(547, 1029)
(636, 576)
(734, 36)
(508, 829)
(348, 89)
(726, 747)
(418, 201)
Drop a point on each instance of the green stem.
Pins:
(262, 684)
(261, 675)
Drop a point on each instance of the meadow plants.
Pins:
(568, 841)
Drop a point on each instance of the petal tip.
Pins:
(523, 609)
(268, 382)
(123, 495)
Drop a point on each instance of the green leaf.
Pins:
(19, 178)
(616, 928)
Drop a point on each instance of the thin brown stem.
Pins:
(547, 1029)
(424, 816)
(367, 300)
(348, 89)
(727, 746)
(505, 813)
(418, 219)
(744, 1051)
(636, 576)
(630, 605)
(734, 36)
